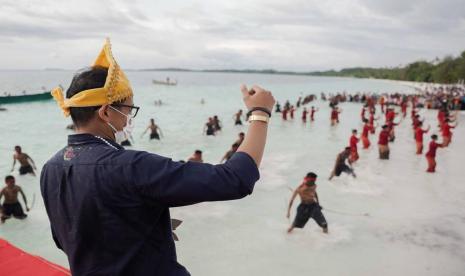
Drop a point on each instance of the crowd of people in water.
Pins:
(390, 109)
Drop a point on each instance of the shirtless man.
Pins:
(154, 128)
(341, 165)
(240, 138)
(309, 205)
(11, 205)
(196, 157)
(23, 159)
(230, 153)
(237, 118)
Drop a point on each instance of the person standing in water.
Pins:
(196, 157)
(209, 128)
(419, 136)
(312, 113)
(341, 165)
(446, 133)
(154, 129)
(238, 118)
(230, 153)
(335, 116)
(216, 123)
(11, 205)
(23, 159)
(353, 147)
(366, 133)
(309, 206)
(240, 138)
(431, 154)
(383, 143)
(304, 115)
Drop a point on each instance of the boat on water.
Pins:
(165, 82)
(22, 98)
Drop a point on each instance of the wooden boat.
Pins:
(167, 82)
(8, 99)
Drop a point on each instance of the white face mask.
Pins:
(125, 134)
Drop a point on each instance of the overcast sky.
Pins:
(298, 35)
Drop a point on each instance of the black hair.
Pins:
(354, 131)
(312, 175)
(434, 137)
(9, 177)
(347, 148)
(198, 152)
(89, 78)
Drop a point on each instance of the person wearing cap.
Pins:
(309, 206)
(109, 208)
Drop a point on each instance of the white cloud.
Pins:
(290, 35)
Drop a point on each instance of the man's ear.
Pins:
(103, 113)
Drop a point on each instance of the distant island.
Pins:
(447, 70)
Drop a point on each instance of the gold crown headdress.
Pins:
(116, 88)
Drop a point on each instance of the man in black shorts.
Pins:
(11, 205)
(309, 206)
(341, 165)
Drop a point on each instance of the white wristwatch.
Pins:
(261, 118)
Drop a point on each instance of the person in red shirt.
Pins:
(304, 115)
(335, 116)
(390, 114)
(382, 102)
(372, 120)
(312, 113)
(446, 133)
(419, 137)
(403, 107)
(292, 111)
(431, 154)
(284, 114)
(365, 133)
(363, 113)
(353, 147)
(441, 117)
(383, 143)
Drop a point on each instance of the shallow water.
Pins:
(416, 221)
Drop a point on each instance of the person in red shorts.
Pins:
(446, 133)
(304, 115)
(419, 137)
(353, 147)
(312, 113)
(431, 154)
(335, 116)
(383, 143)
(365, 133)
(291, 111)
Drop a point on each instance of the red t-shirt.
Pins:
(390, 116)
(334, 115)
(304, 114)
(419, 134)
(383, 137)
(433, 146)
(353, 142)
(446, 130)
(366, 129)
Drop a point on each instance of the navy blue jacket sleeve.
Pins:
(177, 184)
